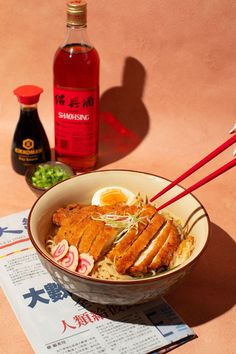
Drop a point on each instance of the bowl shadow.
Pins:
(206, 293)
(210, 289)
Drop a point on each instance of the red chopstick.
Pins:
(203, 181)
(199, 164)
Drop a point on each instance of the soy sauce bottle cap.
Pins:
(28, 94)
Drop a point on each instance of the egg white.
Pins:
(96, 199)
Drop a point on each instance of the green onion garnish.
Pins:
(45, 176)
(122, 222)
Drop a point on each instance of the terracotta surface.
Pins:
(168, 78)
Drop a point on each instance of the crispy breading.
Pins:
(118, 209)
(73, 225)
(147, 212)
(147, 246)
(62, 213)
(165, 254)
(73, 212)
(123, 263)
(146, 257)
(93, 229)
(77, 227)
(87, 211)
(103, 242)
(71, 231)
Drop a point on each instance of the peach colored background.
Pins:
(168, 74)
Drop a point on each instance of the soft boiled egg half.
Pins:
(112, 195)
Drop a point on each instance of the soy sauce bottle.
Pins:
(30, 144)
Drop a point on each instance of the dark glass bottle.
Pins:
(76, 93)
(30, 143)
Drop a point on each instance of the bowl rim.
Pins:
(151, 279)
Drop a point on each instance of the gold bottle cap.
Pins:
(77, 13)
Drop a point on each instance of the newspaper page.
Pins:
(56, 321)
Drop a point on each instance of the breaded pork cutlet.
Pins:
(103, 242)
(85, 228)
(125, 261)
(62, 213)
(148, 244)
(71, 231)
(118, 209)
(165, 254)
(93, 229)
(126, 241)
(73, 212)
(141, 265)
(73, 225)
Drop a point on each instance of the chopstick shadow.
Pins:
(124, 119)
(190, 222)
(210, 289)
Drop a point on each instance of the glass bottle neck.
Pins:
(28, 112)
(76, 35)
(28, 107)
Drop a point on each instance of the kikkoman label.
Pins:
(28, 152)
(28, 148)
(28, 144)
(76, 121)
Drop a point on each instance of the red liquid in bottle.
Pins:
(76, 98)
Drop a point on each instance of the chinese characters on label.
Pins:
(74, 101)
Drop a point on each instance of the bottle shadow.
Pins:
(210, 289)
(124, 119)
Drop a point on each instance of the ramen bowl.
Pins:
(80, 189)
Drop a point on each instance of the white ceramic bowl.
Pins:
(80, 189)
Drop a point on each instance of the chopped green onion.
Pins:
(46, 176)
(122, 222)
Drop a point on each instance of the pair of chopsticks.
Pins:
(195, 167)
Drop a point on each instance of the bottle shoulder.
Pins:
(76, 51)
(29, 120)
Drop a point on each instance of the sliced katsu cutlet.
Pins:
(71, 231)
(165, 254)
(144, 214)
(62, 213)
(93, 229)
(73, 226)
(71, 211)
(146, 257)
(122, 264)
(118, 209)
(104, 240)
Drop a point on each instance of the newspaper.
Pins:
(56, 321)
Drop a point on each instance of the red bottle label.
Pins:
(76, 121)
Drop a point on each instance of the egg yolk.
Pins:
(112, 197)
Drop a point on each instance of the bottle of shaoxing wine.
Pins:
(30, 143)
(76, 93)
